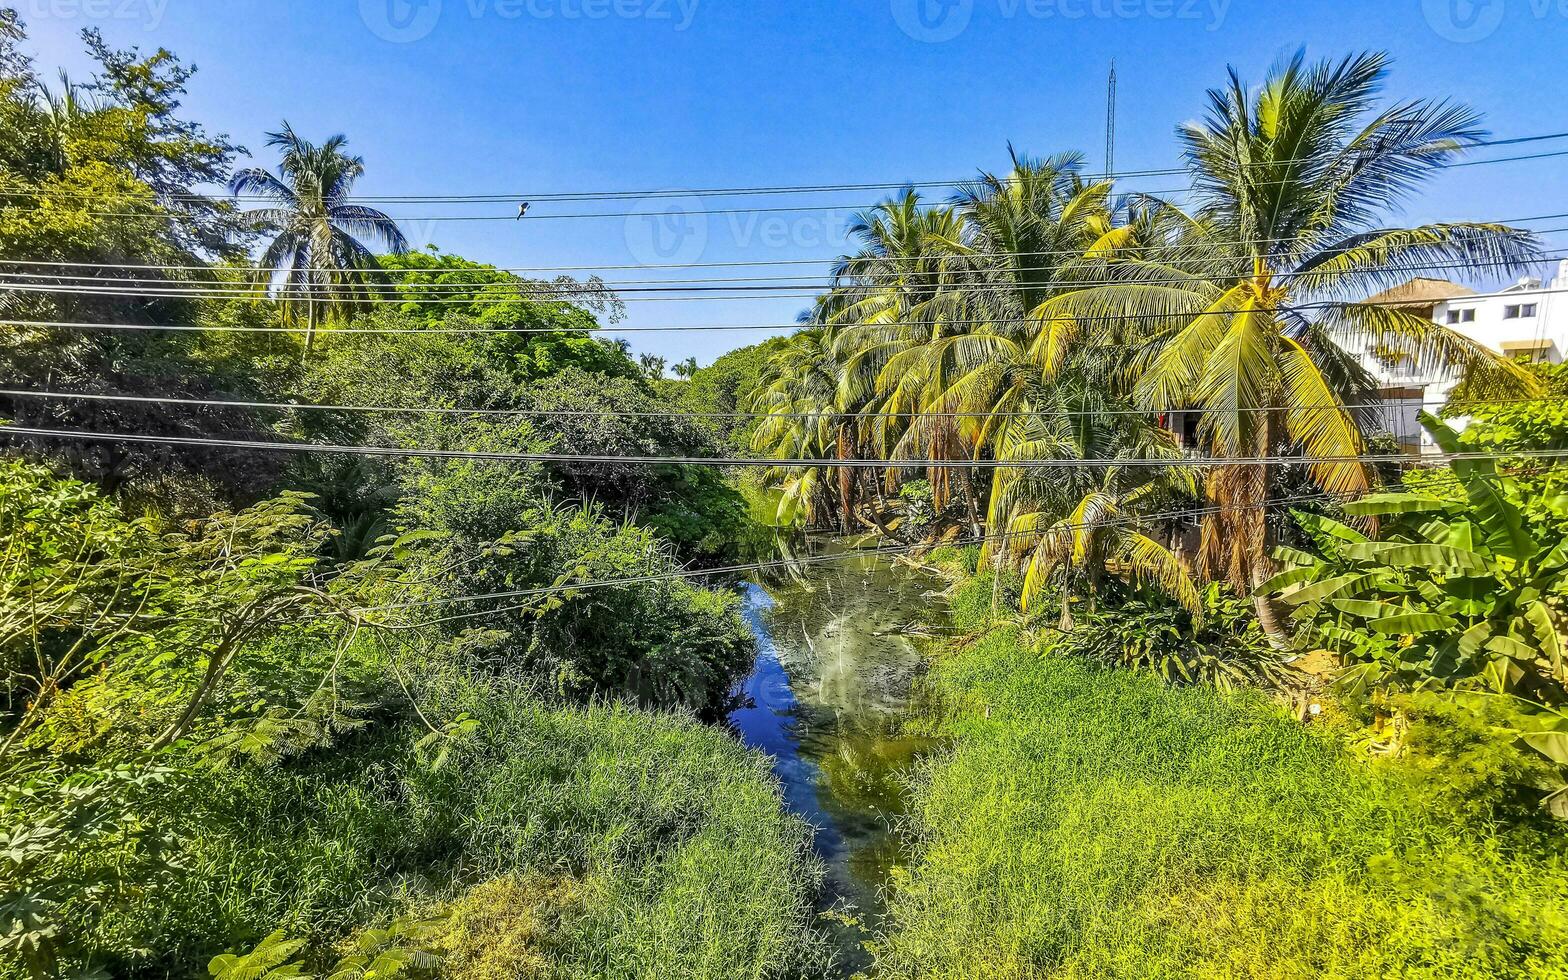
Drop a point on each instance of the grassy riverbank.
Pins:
(560, 841)
(1094, 823)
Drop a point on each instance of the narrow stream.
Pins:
(834, 672)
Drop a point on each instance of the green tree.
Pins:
(1294, 182)
(91, 176)
(318, 255)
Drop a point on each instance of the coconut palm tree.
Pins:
(1075, 524)
(967, 383)
(64, 113)
(1249, 302)
(797, 397)
(319, 256)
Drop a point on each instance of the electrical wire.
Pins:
(691, 265)
(576, 196)
(828, 463)
(547, 292)
(681, 328)
(535, 413)
(860, 553)
(732, 570)
(746, 293)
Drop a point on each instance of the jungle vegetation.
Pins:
(256, 722)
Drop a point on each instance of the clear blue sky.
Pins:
(538, 96)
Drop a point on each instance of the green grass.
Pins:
(637, 845)
(1096, 824)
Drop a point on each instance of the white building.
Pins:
(1528, 319)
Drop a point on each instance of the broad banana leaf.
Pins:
(1420, 556)
(1505, 533)
(1410, 623)
(1386, 504)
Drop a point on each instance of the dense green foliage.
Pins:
(653, 847)
(1224, 647)
(1453, 590)
(435, 698)
(352, 714)
(1042, 305)
(722, 394)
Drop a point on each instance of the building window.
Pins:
(1461, 316)
(1522, 311)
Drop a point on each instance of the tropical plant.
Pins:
(317, 256)
(82, 841)
(160, 614)
(1450, 593)
(1249, 304)
(652, 366)
(396, 950)
(797, 398)
(1100, 534)
(1071, 523)
(1216, 642)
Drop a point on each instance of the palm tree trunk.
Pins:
(972, 502)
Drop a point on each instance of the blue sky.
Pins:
(530, 97)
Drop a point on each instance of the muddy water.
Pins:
(832, 684)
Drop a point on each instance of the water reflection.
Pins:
(834, 672)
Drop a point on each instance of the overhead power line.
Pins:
(442, 270)
(537, 196)
(799, 208)
(826, 463)
(733, 293)
(1188, 513)
(285, 288)
(592, 413)
(750, 567)
(678, 328)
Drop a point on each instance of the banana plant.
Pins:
(1452, 592)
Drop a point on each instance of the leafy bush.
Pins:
(663, 642)
(1227, 649)
(1455, 591)
(919, 508)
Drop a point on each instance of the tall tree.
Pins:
(1250, 302)
(317, 256)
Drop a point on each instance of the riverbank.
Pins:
(1093, 823)
(556, 840)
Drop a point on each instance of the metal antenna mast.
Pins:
(1110, 124)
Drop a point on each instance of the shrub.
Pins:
(1227, 649)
